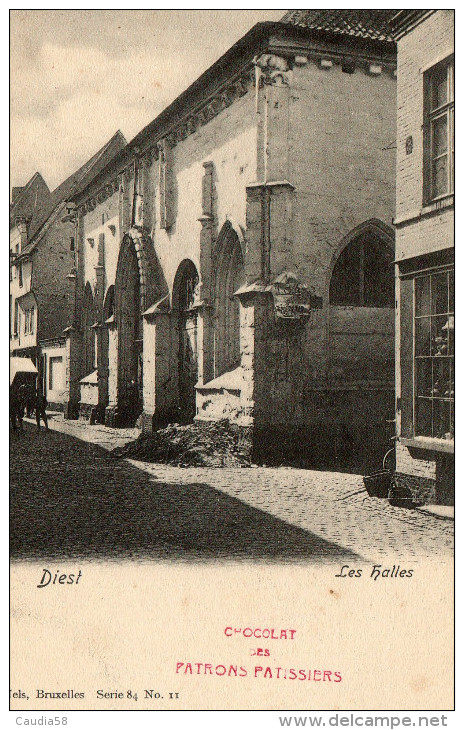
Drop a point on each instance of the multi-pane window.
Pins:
(16, 318)
(439, 130)
(29, 321)
(434, 355)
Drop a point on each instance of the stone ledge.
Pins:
(231, 380)
(428, 444)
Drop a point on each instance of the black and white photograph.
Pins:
(231, 340)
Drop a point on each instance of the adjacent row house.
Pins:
(425, 254)
(43, 271)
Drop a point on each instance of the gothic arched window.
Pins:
(363, 274)
(230, 276)
(89, 317)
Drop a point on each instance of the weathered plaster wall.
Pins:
(339, 125)
(229, 142)
(102, 220)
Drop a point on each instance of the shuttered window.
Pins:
(439, 131)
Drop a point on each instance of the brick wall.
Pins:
(420, 229)
(429, 42)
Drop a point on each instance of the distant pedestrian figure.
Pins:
(30, 399)
(40, 406)
(16, 409)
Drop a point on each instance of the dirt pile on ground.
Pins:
(217, 443)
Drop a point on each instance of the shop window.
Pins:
(363, 274)
(439, 130)
(434, 355)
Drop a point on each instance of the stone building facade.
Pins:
(42, 271)
(425, 253)
(235, 260)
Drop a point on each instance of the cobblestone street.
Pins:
(69, 498)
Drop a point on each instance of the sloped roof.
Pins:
(369, 26)
(372, 24)
(31, 201)
(405, 20)
(74, 183)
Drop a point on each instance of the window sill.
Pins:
(443, 201)
(435, 206)
(428, 444)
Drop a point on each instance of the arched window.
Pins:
(230, 276)
(108, 307)
(363, 275)
(183, 297)
(89, 317)
(185, 284)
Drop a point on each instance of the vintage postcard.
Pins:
(232, 360)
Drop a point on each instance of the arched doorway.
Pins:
(104, 365)
(88, 331)
(230, 276)
(128, 312)
(184, 289)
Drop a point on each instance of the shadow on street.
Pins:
(70, 499)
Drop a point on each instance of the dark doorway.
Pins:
(104, 364)
(130, 341)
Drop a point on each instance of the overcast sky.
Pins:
(77, 76)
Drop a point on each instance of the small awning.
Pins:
(21, 365)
